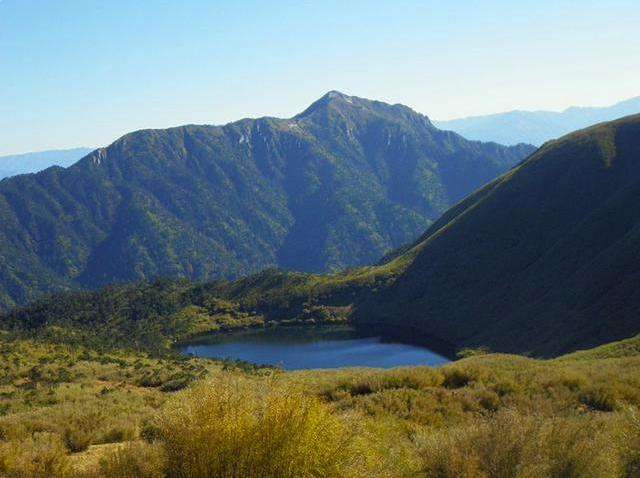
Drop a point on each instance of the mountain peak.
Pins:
(333, 97)
(219, 202)
(333, 94)
(353, 105)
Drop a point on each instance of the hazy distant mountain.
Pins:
(536, 127)
(544, 259)
(34, 162)
(335, 186)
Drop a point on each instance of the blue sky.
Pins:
(84, 72)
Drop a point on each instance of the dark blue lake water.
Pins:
(295, 348)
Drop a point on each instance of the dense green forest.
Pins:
(336, 186)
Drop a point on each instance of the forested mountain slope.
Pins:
(335, 186)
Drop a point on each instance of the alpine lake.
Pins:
(295, 348)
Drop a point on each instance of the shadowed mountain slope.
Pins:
(545, 258)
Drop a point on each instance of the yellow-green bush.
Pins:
(630, 445)
(41, 456)
(509, 444)
(134, 460)
(237, 428)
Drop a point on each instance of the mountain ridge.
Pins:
(33, 162)
(542, 261)
(537, 127)
(334, 187)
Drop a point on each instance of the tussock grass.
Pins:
(42, 455)
(483, 416)
(510, 444)
(234, 428)
(133, 460)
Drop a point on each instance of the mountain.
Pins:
(335, 186)
(34, 162)
(536, 127)
(543, 259)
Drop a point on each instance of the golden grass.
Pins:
(483, 416)
(235, 427)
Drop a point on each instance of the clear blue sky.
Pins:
(84, 72)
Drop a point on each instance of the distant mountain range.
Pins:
(536, 127)
(335, 186)
(34, 162)
(543, 259)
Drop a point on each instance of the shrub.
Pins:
(472, 352)
(41, 456)
(512, 445)
(176, 382)
(237, 428)
(77, 439)
(81, 428)
(630, 445)
(149, 431)
(455, 377)
(444, 456)
(488, 400)
(134, 460)
(118, 433)
(599, 398)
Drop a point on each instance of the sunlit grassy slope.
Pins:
(75, 412)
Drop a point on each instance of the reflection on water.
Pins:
(296, 348)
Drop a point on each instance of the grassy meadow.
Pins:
(67, 411)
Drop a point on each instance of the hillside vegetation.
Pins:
(336, 186)
(82, 398)
(67, 411)
(152, 316)
(542, 260)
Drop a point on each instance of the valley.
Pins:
(95, 385)
(361, 239)
(540, 320)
